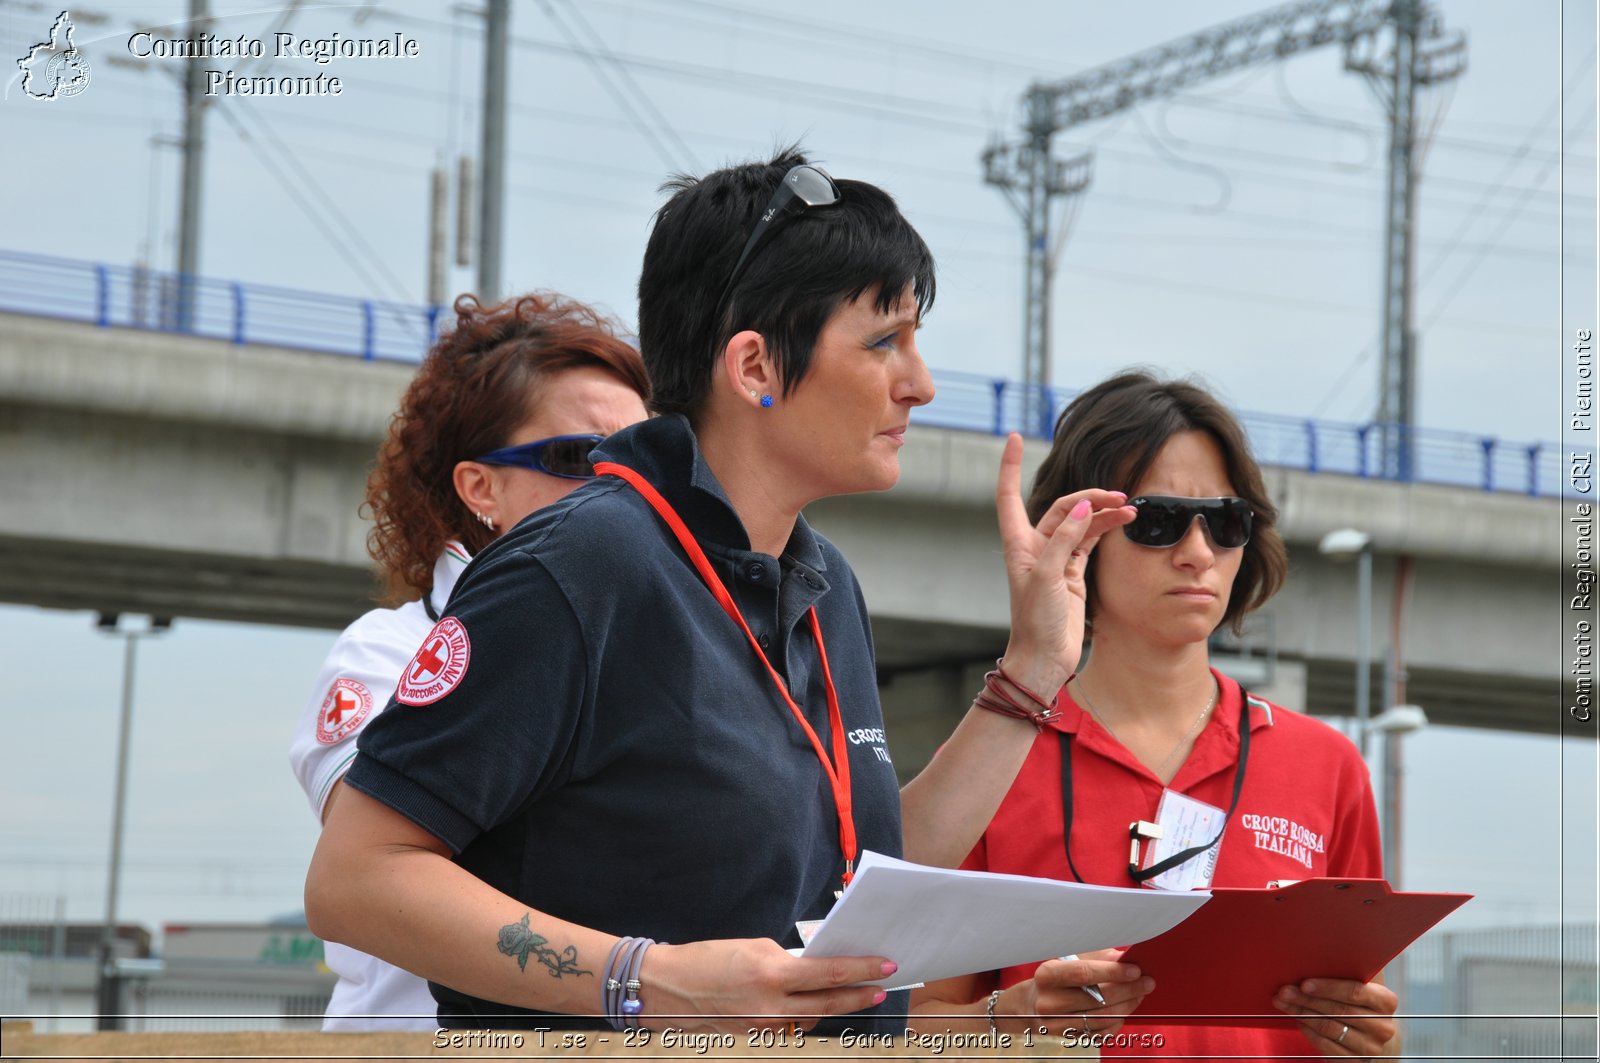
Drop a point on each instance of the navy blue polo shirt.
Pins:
(614, 753)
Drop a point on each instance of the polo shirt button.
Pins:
(763, 640)
(757, 572)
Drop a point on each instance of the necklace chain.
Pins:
(1194, 728)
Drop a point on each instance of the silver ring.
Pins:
(1340, 1039)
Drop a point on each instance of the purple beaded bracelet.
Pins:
(619, 991)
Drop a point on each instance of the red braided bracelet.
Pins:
(996, 699)
(985, 701)
(1045, 704)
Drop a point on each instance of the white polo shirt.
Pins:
(355, 683)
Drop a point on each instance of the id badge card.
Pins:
(808, 929)
(1185, 823)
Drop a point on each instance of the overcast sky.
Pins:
(1232, 231)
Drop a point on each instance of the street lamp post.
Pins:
(1342, 545)
(1394, 723)
(108, 990)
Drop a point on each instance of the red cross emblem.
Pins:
(347, 704)
(438, 666)
(343, 702)
(430, 660)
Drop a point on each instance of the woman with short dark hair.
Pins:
(1149, 732)
(645, 739)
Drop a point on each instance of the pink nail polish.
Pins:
(880, 997)
(1081, 510)
(889, 967)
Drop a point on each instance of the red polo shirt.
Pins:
(1305, 811)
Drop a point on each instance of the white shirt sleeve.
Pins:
(353, 686)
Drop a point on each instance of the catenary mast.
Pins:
(1398, 45)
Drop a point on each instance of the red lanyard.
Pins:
(838, 768)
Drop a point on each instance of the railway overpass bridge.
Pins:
(218, 476)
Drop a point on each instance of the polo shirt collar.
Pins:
(452, 562)
(665, 451)
(1216, 749)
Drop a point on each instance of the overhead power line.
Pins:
(872, 41)
(934, 114)
(1473, 214)
(1494, 238)
(327, 216)
(655, 128)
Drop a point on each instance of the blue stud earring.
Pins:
(766, 402)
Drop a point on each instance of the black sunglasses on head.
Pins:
(563, 456)
(1163, 520)
(803, 187)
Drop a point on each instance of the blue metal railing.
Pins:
(1461, 459)
(130, 297)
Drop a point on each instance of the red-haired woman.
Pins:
(498, 422)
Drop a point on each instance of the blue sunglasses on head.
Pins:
(563, 456)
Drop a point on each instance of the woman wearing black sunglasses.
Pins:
(662, 748)
(497, 423)
(1149, 733)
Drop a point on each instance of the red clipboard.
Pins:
(1226, 961)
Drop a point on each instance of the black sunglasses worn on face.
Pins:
(1163, 520)
(802, 187)
(563, 456)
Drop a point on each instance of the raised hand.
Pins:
(1045, 570)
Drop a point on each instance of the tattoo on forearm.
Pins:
(516, 939)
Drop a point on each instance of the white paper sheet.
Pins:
(937, 924)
